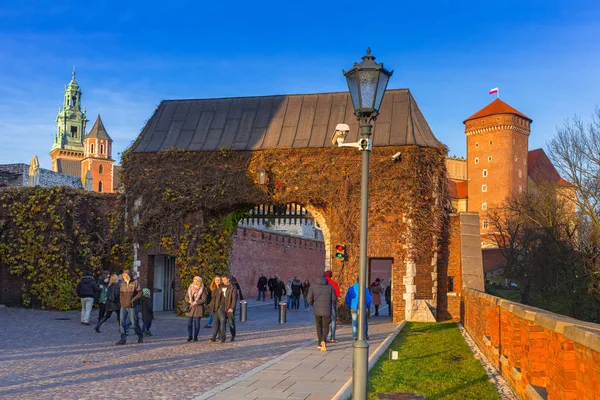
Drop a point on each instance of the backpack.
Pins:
(113, 293)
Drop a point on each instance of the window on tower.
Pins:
(100, 186)
(484, 188)
(476, 144)
(74, 133)
(100, 169)
(484, 206)
(485, 173)
(490, 159)
(101, 149)
(91, 147)
(486, 224)
(477, 161)
(73, 100)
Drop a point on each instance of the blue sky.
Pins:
(544, 56)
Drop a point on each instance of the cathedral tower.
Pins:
(497, 146)
(98, 158)
(67, 148)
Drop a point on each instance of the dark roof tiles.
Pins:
(98, 130)
(69, 167)
(290, 121)
(497, 107)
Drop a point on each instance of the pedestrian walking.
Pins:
(376, 291)
(237, 287)
(87, 289)
(136, 304)
(271, 284)
(278, 290)
(388, 298)
(288, 293)
(147, 311)
(214, 285)
(352, 303)
(262, 287)
(214, 305)
(320, 297)
(130, 292)
(227, 311)
(305, 287)
(296, 292)
(112, 302)
(195, 298)
(336, 289)
(103, 285)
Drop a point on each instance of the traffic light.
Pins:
(340, 252)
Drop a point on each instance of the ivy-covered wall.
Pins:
(50, 236)
(187, 203)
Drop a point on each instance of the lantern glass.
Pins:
(261, 176)
(381, 86)
(352, 79)
(368, 87)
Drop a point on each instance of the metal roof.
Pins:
(98, 130)
(286, 121)
(69, 167)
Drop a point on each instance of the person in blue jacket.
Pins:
(352, 303)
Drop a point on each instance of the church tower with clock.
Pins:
(67, 148)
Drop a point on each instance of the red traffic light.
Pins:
(339, 248)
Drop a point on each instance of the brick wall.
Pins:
(541, 354)
(255, 252)
(449, 265)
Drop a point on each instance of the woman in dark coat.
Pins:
(305, 287)
(113, 293)
(195, 297)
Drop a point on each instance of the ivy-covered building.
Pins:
(197, 164)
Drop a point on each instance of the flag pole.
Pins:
(498, 93)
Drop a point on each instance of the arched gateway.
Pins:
(198, 163)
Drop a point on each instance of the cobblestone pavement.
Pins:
(49, 355)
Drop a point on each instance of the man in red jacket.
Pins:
(336, 289)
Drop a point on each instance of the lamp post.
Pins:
(367, 82)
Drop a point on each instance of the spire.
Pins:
(98, 130)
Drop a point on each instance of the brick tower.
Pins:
(497, 146)
(98, 158)
(67, 148)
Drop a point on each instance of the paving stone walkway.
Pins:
(49, 355)
(306, 373)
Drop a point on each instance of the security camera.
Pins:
(341, 130)
(397, 156)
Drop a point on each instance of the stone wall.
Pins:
(255, 252)
(450, 273)
(18, 175)
(541, 354)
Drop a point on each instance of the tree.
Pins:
(536, 233)
(575, 151)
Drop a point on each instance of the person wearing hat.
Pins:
(87, 289)
(130, 292)
(195, 299)
(147, 311)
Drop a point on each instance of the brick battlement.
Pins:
(278, 238)
(541, 354)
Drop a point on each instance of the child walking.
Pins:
(147, 312)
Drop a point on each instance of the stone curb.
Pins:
(248, 374)
(346, 390)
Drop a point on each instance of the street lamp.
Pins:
(367, 82)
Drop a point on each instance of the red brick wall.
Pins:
(256, 251)
(449, 264)
(534, 348)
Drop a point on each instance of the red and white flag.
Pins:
(494, 90)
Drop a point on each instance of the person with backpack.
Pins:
(112, 301)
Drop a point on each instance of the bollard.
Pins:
(243, 311)
(282, 312)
